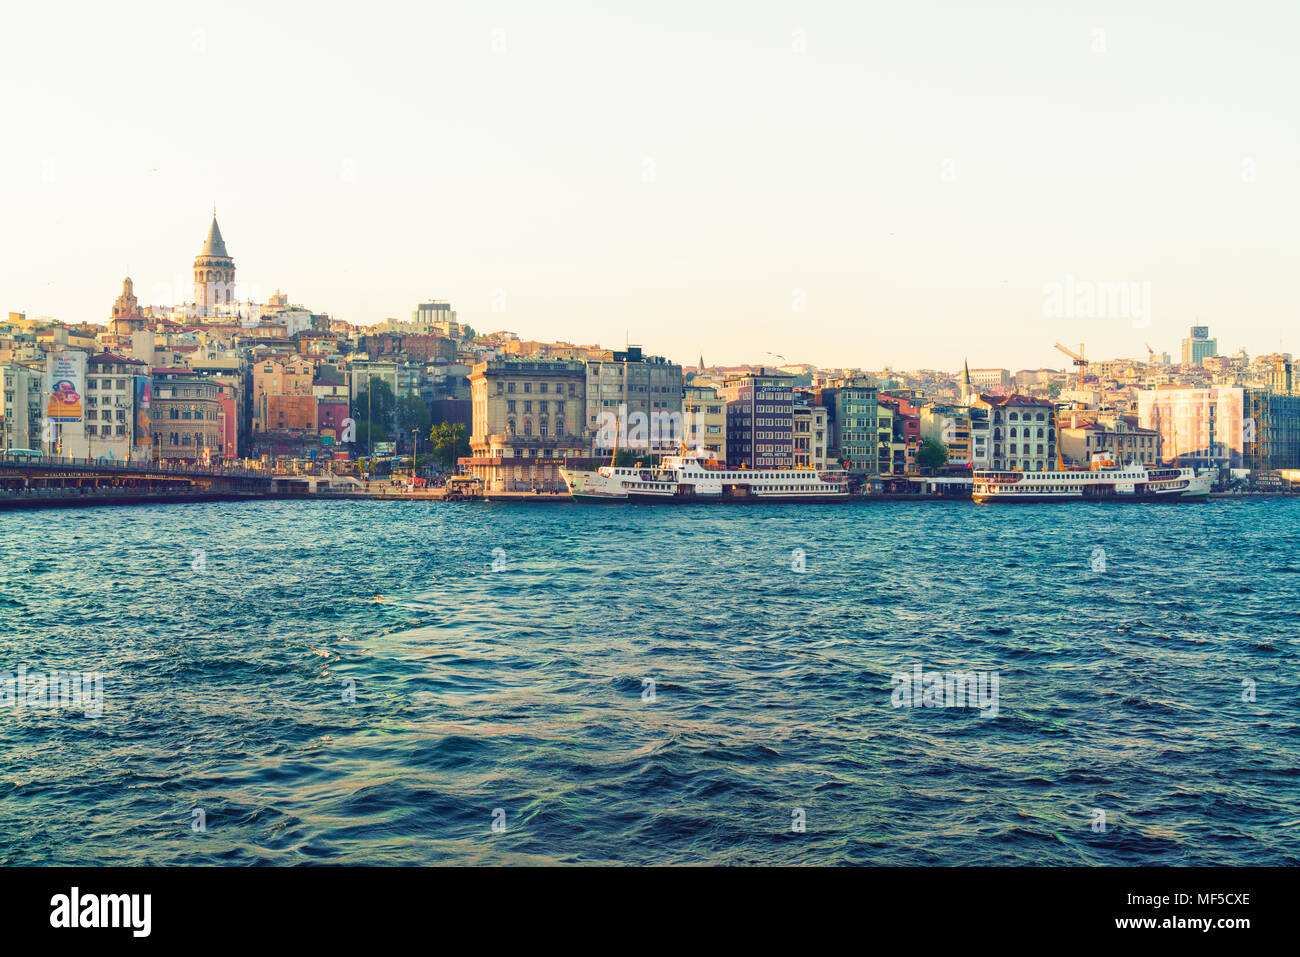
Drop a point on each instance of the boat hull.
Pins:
(1013, 499)
(1132, 483)
(592, 486)
(713, 499)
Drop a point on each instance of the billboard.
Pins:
(67, 382)
(143, 397)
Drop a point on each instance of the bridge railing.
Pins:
(116, 465)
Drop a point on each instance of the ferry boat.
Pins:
(698, 476)
(1103, 482)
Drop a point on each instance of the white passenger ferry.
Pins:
(699, 477)
(1104, 482)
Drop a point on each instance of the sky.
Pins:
(865, 184)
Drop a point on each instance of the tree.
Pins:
(449, 443)
(374, 404)
(368, 433)
(931, 456)
(411, 414)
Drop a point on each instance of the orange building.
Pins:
(272, 377)
(290, 412)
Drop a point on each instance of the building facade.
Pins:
(22, 389)
(293, 376)
(1198, 346)
(852, 420)
(528, 419)
(760, 419)
(1083, 437)
(1272, 423)
(185, 417)
(810, 433)
(110, 409)
(1202, 427)
(705, 416)
(1023, 433)
(949, 426)
(632, 388)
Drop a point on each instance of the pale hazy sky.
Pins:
(920, 170)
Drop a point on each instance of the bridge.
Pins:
(33, 481)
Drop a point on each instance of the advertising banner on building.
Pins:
(143, 397)
(67, 381)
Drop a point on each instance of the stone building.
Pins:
(126, 317)
(528, 417)
(1023, 432)
(185, 416)
(1082, 436)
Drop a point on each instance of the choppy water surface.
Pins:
(227, 674)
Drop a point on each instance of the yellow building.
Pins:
(704, 416)
(527, 420)
(950, 426)
(1082, 437)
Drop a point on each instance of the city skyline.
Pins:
(854, 165)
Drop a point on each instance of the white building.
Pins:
(107, 429)
(22, 389)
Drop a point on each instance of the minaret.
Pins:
(967, 393)
(214, 272)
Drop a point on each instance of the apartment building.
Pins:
(22, 388)
(643, 393)
(1023, 432)
(852, 422)
(705, 417)
(760, 419)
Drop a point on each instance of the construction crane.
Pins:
(1080, 363)
(1151, 353)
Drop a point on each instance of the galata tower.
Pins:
(214, 272)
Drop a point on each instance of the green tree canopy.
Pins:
(411, 414)
(376, 402)
(931, 456)
(450, 442)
